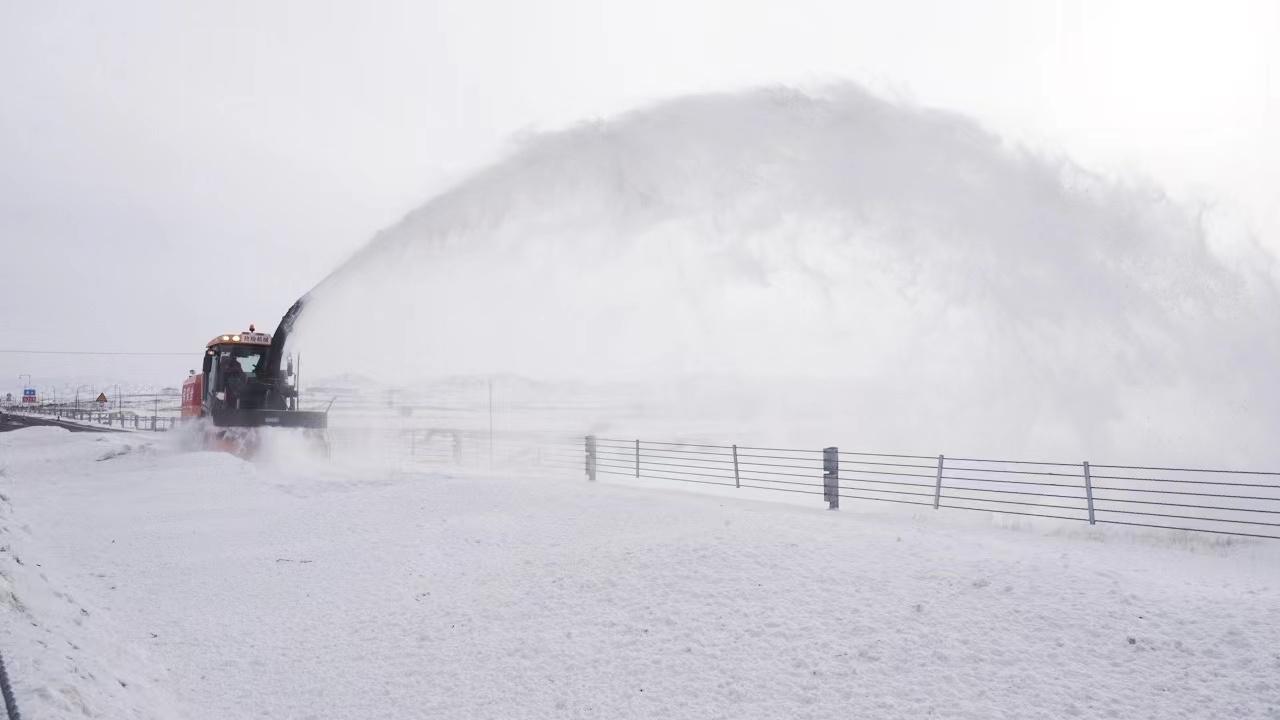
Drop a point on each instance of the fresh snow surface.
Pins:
(144, 582)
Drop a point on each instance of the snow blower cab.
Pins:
(241, 387)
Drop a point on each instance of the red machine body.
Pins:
(192, 391)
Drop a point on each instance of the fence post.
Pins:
(737, 481)
(591, 458)
(1088, 490)
(831, 477)
(637, 458)
(937, 488)
(457, 448)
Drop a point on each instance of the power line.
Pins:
(89, 352)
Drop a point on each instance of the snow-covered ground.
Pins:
(141, 581)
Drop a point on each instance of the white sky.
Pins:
(172, 170)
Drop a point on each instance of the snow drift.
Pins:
(895, 275)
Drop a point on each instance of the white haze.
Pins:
(827, 261)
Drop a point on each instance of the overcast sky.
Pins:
(170, 170)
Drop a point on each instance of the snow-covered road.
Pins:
(145, 582)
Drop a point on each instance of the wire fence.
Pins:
(1228, 502)
(123, 419)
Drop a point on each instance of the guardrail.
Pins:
(123, 419)
(1225, 502)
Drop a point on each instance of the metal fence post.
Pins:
(1088, 490)
(937, 488)
(737, 481)
(591, 458)
(6, 689)
(637, 458)
(831, 477)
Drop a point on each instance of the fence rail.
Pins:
(124, 419)
(1227, 502)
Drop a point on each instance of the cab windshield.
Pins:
(248, 357)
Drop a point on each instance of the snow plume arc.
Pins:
(921, 282)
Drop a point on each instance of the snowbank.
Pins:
(63, 652)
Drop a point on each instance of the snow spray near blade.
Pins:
(887, 276)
